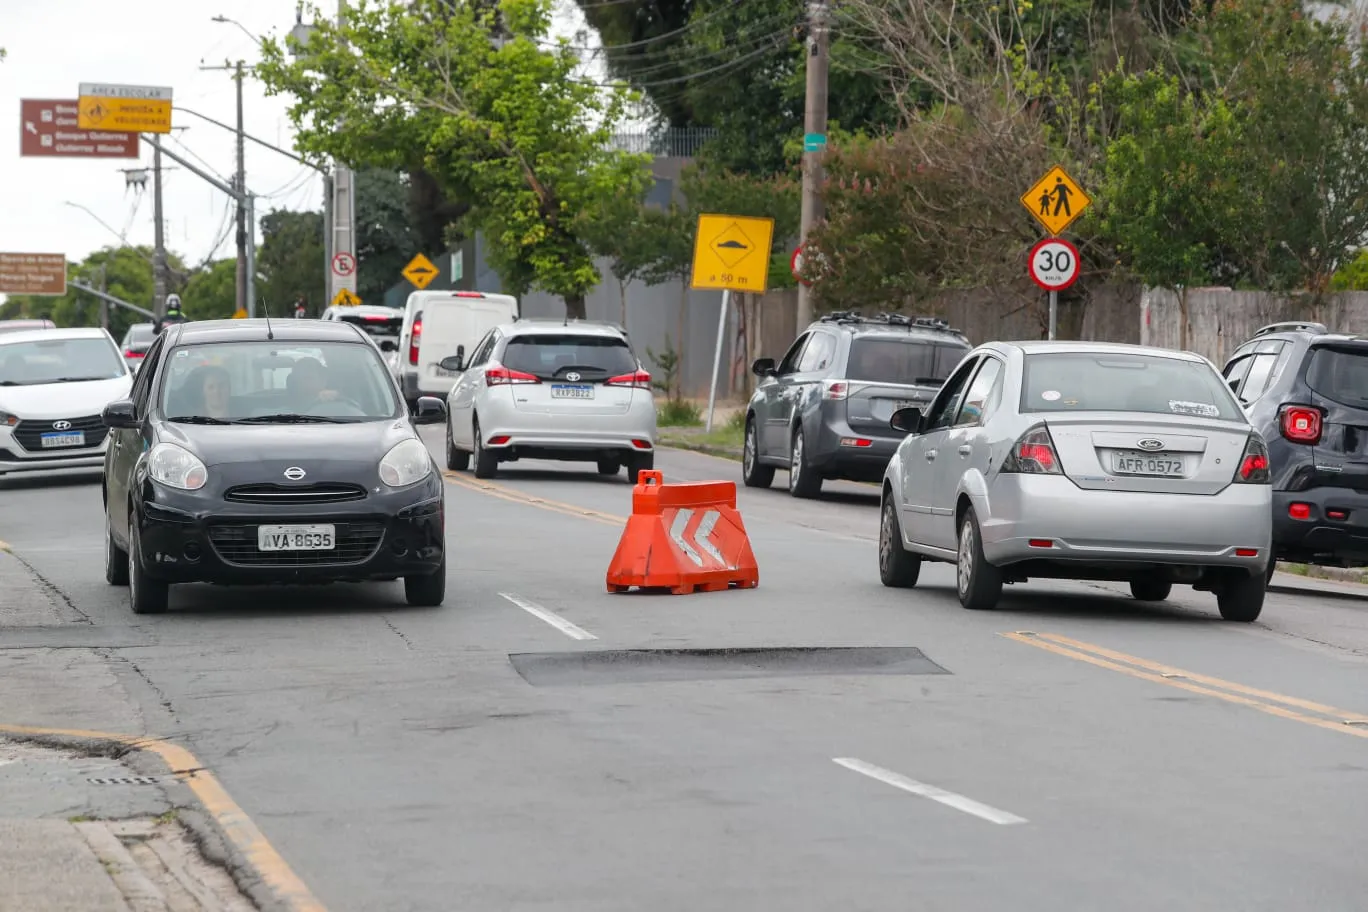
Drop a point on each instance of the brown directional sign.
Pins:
(33, 273)
(47, 129)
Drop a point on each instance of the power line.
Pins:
(689, 26)
(741, 43)
(730, 65)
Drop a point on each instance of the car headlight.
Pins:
(176, 467)
(8, 420)
(406, 464)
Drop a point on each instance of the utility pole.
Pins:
(814, 140)
(104, 305)
(343, 224)
(244, 276)
(158, 232)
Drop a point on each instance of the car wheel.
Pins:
(427, 591)
(978, 582)
(1148, 590)
(753, 474)
(456, 460)
(1241, 598)
(147, 595)
(898, 567)
(609, 466)
(486, 463)
(638, 463)
(803, 479)
(116, 558)
(1269, 571)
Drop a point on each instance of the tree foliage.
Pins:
(291, 260)
(385, 238)
(506, 126)
(211, 292)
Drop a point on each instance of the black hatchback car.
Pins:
(260, 453)
(823, 411)
(1306, 390)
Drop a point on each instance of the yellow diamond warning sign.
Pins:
(345, 298)
(1056, 200)
(732, 252)
(420, 271)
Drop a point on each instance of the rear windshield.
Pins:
(914, 362)
(552, 356)
(1339, 374)
(141, 335)
(375, 324)
(1153, 384)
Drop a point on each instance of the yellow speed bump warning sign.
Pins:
(732, 252)
(345, 298)
(1056, 200)
(420, 271)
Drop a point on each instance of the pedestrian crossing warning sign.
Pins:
(1056, 200)
(345, 297)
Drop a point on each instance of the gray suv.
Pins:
(823, 411)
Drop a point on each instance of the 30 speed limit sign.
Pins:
(1054, 264)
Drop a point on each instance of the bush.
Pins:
(678, 413)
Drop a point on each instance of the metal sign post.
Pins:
(1054, 313)
(717, 357)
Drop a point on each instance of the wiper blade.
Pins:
(76, 379)
(197, 419)
(291, 418)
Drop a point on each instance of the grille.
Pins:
(30, 433)
(356, 542)
(295, 494)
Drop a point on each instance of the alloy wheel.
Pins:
(796, 461)
(964, 565)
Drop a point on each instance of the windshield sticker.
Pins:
(1050, 395)
(183, 353)
(1199, 409)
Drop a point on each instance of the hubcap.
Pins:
(965, 564)
(796, 461)
(748, 455)
(132, 568)
(886, 536)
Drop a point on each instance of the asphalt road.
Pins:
(1076, 750)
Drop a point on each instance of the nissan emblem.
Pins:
(294, 473)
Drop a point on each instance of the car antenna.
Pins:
(266, 312)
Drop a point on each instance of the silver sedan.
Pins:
(1081, 460)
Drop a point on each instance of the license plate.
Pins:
(295, 538)
(905, 403)
(72, 439)
(1161, 465)
(567, 391)
(443, 372)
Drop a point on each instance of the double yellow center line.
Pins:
(1266, 701)
(513, 495)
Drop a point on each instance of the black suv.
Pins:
(823, 412)
(1306, 390)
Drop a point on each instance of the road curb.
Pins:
(706, 449)
(1330, 574)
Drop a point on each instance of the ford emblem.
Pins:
(61, 425)
(1149, 443)
(573, 376)
(294, 473)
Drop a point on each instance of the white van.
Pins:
(436, 324)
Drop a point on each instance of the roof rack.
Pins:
(890, 319)
(1292, 326)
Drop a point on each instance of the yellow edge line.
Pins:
(1271, 709)
(236, 825)
(515, 496)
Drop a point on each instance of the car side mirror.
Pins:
(908, 420)
(454, 363)
(120, 414)
(388, 345)
(763, 367)
(430, 410)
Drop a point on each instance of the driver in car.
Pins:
(308, 384)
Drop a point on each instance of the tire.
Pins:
(898, 567)
(609, 466)
(978, 582)
(1241, 599)
(116, 558)
(486, 463)
(147, 595)
(638, 463)
(1269, 571)
(427, 591)
(753, 474)
(456, 460)
(1148, 590)
(803, 480)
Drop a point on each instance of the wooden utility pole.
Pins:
(814, 139)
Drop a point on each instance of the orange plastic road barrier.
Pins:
(683, 537)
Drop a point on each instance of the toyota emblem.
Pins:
(294, 473)
(61, 425)
(573, 376)
(1149, 443)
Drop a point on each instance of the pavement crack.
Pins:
(160, 694)
(51, 588)
(408, 644)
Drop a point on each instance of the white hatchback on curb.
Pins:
(54, 385)
(551, 390)
(1086, 461)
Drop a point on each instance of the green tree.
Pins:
(211, 293)
(385, 240)
(291, 260)
(506, 125)
(620, 230)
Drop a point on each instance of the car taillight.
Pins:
(1301, 424)
(1254, 464)
(835, 389)
(498, 375)
(415, 339)
(1033, 454)
(130, 353)
(639, 379)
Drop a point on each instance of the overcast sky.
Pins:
(55, 45)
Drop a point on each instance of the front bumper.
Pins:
(185, 538)
(1121, 527)
(1322, 537)
(14, 457)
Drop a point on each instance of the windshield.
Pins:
(268, 382)
(59, 361)
(1340, 375)
(375, 324)
(914, 362)
(553, 355)
(1093, 381)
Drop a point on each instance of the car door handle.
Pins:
(965, 450)
(930, 455)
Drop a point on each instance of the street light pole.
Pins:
(158, 232)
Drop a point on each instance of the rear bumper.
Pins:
(536, 435)
(1121, 527)
(415, 386)
(833, 458)
(1321, 538)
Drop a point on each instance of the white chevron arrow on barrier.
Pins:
(700, 537)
